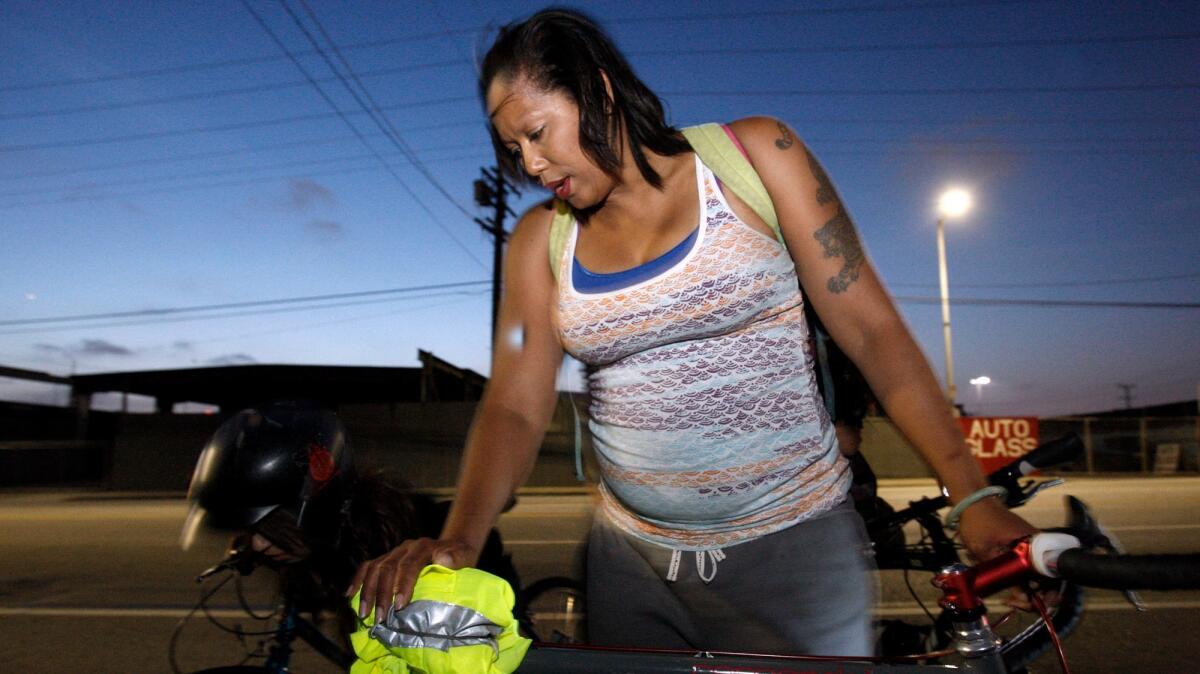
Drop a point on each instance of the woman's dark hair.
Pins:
(383, 512)
(564, 50)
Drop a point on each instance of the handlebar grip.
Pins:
(1053, 453)
(1130, 572)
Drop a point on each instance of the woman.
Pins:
(709, 431)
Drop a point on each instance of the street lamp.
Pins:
(979, 383)
(952, 204)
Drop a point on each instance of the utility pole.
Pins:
(492, 191)
(1127, 394)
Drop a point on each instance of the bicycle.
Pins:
(935, 550)
(550, 610)
(1046, 555)
(553, 607)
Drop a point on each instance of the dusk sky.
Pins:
(164, 156)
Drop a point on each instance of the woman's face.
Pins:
(541, 129)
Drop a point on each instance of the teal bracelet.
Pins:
(976, 496)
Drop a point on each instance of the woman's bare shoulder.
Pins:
(762, 130)
(534, 224)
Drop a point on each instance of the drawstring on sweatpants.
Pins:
(703, 557)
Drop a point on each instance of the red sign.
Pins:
(997, 441)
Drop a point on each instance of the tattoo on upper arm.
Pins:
(837, 236)
(838, 239)
(785, 139)
(825, 191)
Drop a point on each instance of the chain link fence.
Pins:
(1145, 445)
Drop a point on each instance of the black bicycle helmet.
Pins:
(287, 460)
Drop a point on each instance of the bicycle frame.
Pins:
(291, 626)
(963, 589)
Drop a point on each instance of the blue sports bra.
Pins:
(590, 282)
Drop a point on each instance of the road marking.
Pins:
(885, 611)
(81, 612)
(891, 610)
(1154, 527)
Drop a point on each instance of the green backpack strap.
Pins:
(718, 152)
(560, 229)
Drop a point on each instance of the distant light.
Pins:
(981, 381)
(31, 296)
(954, 203)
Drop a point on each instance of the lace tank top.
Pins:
(705, 415)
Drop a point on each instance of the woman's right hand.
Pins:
(387, 581)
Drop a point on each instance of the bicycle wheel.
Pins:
(556, 610)
(1022, 648)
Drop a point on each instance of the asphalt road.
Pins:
(97, 582)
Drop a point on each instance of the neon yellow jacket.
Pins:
(458, 622)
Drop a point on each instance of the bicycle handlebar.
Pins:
(1058, 555)
(1130, 572)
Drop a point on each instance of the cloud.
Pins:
(182, 345)
(232, 359)
(326, 229)
(304, 194)
(100, 347)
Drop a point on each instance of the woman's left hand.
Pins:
(988, 530)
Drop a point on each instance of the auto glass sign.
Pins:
(996, 441)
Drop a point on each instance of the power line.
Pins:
(1055, 152)
(1051, 303)
(240, 305)
(948, 91)
(487, 148)
(373, 110)
(816, 11)
(236, 171)
(1056, 284)
(230, 314)
(330, 298)
(224, 63)
(362, 139)
(154, 161)
(442, 34)
(235, 126)
(702, 51)
(209, 95)
(83, 196)
(918, 46)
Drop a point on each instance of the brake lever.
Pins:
(1034, 488)
(1096, 535)
(1019, 494)
(241, 559)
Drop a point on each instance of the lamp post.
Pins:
(952, 204)
(979, 383)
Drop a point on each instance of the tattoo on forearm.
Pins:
(785, 139)
(839, 239)
(825, 191)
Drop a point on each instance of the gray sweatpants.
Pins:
(808, 589)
